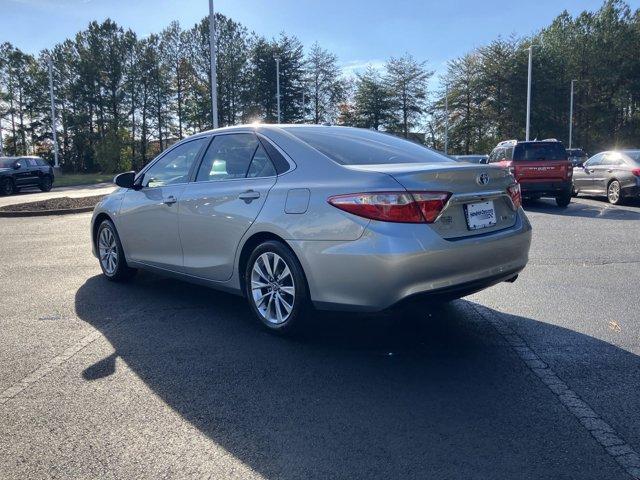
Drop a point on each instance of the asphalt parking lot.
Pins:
(163, 379)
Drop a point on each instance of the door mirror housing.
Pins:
(17, 166)
(125, 180)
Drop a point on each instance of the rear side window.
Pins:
(365, 147)
(539, 151)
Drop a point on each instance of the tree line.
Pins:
(487, 87)
(121, 99)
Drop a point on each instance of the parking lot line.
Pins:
(56, 361)
(600, 430)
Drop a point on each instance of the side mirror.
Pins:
(125, 180)
(484, 160)
(17, 166)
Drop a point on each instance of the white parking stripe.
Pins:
(604, 433)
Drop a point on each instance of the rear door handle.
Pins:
(610, 171)
(249, 195)
(170, 200)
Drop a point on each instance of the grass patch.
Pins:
(71, 179)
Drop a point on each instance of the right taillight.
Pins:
(515, 194)
(636, 172)
(401, 207)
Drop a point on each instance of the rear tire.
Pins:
(276, 287)
(564, 199)
(6, 186)
(614, 193)
(111, 255)
(46, 184)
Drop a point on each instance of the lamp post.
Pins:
(571, 115)
(277, 59)
(1, 143)
(529, 94)
(53, 116)
(214, 72)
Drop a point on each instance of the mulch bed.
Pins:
(62, 203)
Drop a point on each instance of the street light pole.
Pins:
(214, 72)
(277, 59)
(446, 119)
(571, 115)
(529, 93)
(54, 127)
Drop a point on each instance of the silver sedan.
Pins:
(614, 174)
(294, 216)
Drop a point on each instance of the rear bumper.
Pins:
(550, 189)
(392, 262)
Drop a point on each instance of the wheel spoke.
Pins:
(286, 306)
(258, 285)
(258, 269)
(262, 297)
(290, 290)
(265, 261)
(285, 273)
(278, 309)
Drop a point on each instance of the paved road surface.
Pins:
(159, 378)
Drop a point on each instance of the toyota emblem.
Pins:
(483, 178)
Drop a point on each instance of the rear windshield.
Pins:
(351, 146)
(634, 155)
(540, 151)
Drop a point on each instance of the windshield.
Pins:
(539, 151)
(353, 146)
(6, 162)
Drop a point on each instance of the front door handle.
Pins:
(249, 195)
(170, 200)
(610, 171)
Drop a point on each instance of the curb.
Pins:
(43, 213)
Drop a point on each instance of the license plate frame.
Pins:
(480, 215)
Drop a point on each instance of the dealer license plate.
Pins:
(480, 215)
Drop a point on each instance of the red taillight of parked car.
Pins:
(636, 172)
(515, 194)
(401, 207)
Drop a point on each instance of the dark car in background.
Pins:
(21, 172)
(472, 158)
(577, 156)
(541, 167)
(614, 174)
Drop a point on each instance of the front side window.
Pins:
(174, 166)
(233, 156)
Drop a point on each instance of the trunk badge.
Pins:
(483, 178)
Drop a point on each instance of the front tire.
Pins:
(111, 255)
(46, 184)
(614, 193)
(6, 187)
(276, 287)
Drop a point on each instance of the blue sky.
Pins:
(359, 32)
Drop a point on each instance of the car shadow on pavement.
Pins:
(430, 392)
(604, 211)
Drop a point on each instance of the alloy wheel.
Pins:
(108, 250)
(613, 192)
(272, 288)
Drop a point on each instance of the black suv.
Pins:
(19, 172)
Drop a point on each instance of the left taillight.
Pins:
(515, 194)
(636, 172)
(401, 207)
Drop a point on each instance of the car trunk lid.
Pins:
(474, 189)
